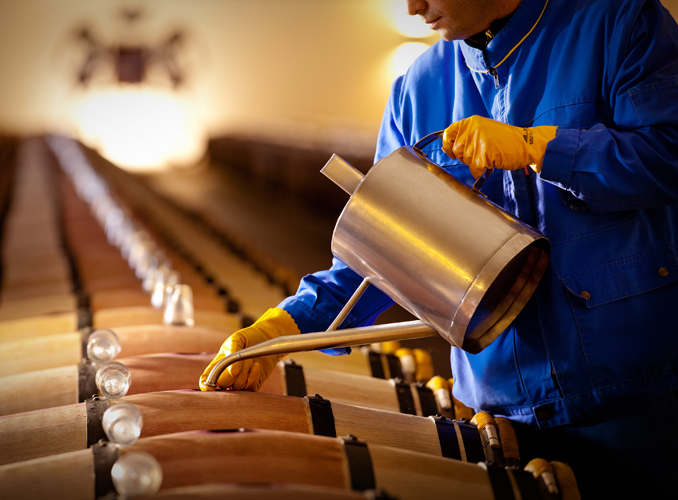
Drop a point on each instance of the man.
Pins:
(575, 103)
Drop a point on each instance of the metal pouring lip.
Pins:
(325, 340)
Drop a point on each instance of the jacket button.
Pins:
(663, 272)
(543, 415)
(585, 295)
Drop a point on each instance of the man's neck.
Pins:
(503, 12)
(505, 8)
(480, 40)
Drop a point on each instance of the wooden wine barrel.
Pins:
(27, 235)
(101, 267)
(274, 491)
(76, 383)
(102, 282)
(36, 271)
(68, 322)
(71, 485)
(38, 305)
(389, 395)
(27, 290)
(37, 326)
(261, 456)
(121, 317)
(147, 339)
(105, 275)
(87, 240)
(52, 351)
(59, 386)
(162, 372)
(110, 282)
(113, 318)
(361, 361)
(40, 433)
(37, 290)
(31, 268)
(33, 261)
(26, 238)
(38, 353)
(251, 288)
(115, 298)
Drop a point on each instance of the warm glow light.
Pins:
(405, 55)
(140, 127)
(410, 26)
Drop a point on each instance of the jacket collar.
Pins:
(524, 19)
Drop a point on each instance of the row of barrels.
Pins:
(223, 263)
(320, 428)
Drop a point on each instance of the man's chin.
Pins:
(449, 35)
(446, 36)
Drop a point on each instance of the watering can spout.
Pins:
(342, 173)
(325, 340)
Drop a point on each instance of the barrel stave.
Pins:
(397, 430)
(247, 457)
(40, 353)
(40, 389)
(37, 326)
(35, 434)
(178, 411)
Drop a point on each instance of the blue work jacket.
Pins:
(600, 333)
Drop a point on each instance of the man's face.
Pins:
(454, 19)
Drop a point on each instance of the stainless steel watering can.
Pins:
(458, 262)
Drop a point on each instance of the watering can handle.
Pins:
(481, 180)
(429, 138)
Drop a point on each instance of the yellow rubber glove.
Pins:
(249, 374)
(483, 143)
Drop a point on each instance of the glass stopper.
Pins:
(113, 380)
(179, 308)
(122, 424)
(102, 346)
(136, 474)
(158, 293)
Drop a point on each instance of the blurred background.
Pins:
(181, 91)
(230, 108)
(227, 108)
(165, 75)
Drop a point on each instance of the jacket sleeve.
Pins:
(321, 296)
(632, 162)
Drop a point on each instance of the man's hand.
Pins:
(251, 373)
(483, 143)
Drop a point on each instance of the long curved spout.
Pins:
(325, 340)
